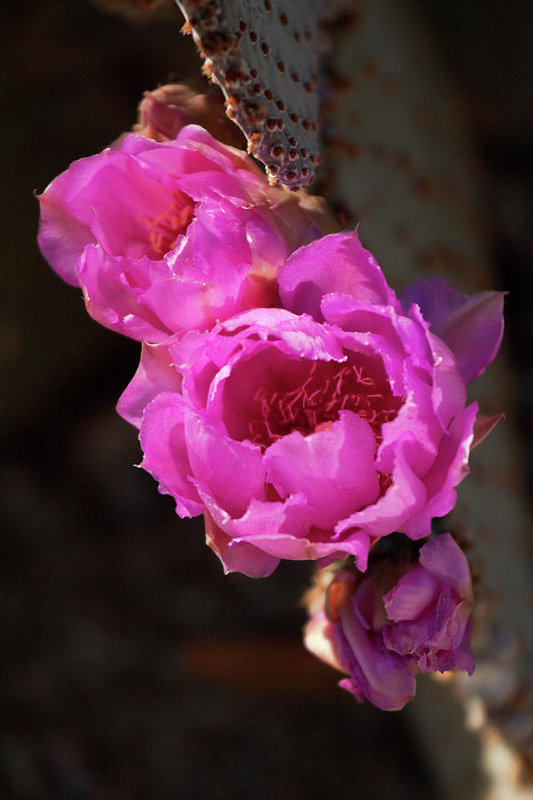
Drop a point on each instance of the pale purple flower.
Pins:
(381, 627)
(309, 432)
(172, 235)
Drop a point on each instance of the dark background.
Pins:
(132, 667)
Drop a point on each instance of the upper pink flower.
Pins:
(309, 431)
(173, 235)
(397, 618)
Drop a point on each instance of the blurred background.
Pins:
(132, 667)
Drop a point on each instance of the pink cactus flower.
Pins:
(172, 235)
(309, 432)
(380, 628)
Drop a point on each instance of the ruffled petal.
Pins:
(162, 438)
(411, 595)
(472, 327)
(155, 374)
(333, 469)
(443, 557)
(383, 677)
(113, 287)
(234, 471)
(335, 263)
(405, 497)
(238, 556)
(449, 469)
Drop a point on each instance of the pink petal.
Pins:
(283, 529)
(472, 327)
(334, 469)
(263, 522)
(180, 304)
(162, 438)
(238, 556)
(155, 374)
(335, 263)
(449, 469)
(121, 197)
(383, 677)
(449, 389)
(233, 471)
(411, 595)
(443, 557)
(65, 218)
(113, 292)
(404, 498)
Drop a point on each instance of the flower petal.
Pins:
(383, 677)
(449, 469)
(113, 287)
(238, 556)
(443, 557)
(162, 438)
(333, 469)
(233, 470)
(404, 498)
(155, 374)
(335, 263)
(472, 327)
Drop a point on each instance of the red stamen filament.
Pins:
(166, 227)
(328, 389)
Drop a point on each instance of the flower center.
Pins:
(360, 386)
(166, 227)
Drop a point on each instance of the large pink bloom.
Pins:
(167, 236)
(309, 432)
(380, 627)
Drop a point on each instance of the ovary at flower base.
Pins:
(402, 617)
(313, 430)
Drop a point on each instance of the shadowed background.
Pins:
(133, 667)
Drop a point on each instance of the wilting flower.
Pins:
(172, 235)
(311, 431)
(381, 627)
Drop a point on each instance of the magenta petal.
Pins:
(162, 438)
(474, 333)
(335, 263)
(449, 389)
(383, 677)
(112, 290)
(65, 221)
(222, 155)
(449, 469)
(234, 471)
(411, 595)
(354, 543)
(443, 557)
(181, 304)
(334, 469)
(238, 556)
(283, 529)
(274, 527)
(472, 327)
(436, 298)
(155, 374)
(403, 499)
